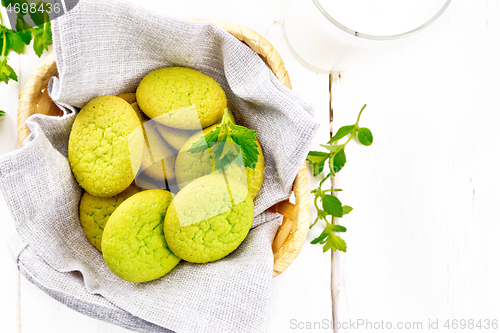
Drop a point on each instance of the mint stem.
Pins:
(359, 115)
(4, 44)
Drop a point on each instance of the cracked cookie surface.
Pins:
(105, 146)
(209, 218)
(95, 212)
(133, 243)
(181, 97)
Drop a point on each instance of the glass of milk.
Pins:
(336, 35)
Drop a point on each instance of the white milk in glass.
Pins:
(339, 34)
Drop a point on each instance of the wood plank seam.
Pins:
(332, 179)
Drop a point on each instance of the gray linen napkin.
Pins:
(106, 47)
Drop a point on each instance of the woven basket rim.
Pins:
(292, 233)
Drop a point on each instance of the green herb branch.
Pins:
(330, 204)
(11, 40)
(226, 142)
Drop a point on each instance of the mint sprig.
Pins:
(11, 40)
(330, 204)
(226, 142)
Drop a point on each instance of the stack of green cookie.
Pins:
(142, 230)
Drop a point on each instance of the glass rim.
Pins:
(381, 37)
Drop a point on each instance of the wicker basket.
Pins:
(292, 232)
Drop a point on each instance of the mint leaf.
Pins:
(235, 135)
(365, 136)
(247, 140)
(2, 113)
(40, 15)
(339, 160)
(6, 72)
(343, 131)
(346, 209)
(332, 205)
(42, 38)
(333, 243)
(14, 41)
(321, 237)
(25, 36)
(317, 159)
(338, 228)
(224, 153)
(23, 29)
(332, 148)
(330, 240)
(205, 141)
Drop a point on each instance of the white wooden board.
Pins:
(423, 234)
(422, 238)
